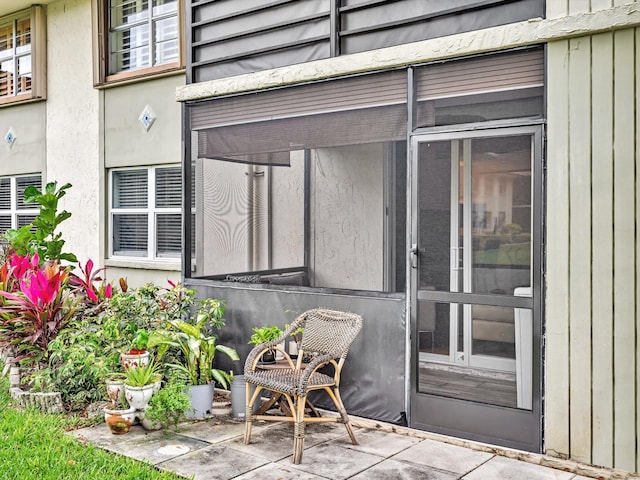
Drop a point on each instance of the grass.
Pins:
(33, 445)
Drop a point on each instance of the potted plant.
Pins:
(167, 407)
(119, 418)
(263, 335)
(115, 387)
(141, 382)
(296, 345)
(197, 351)
(137, 354)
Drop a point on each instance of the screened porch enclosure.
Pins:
(312, 196)
(318, 222)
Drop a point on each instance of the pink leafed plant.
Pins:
(33, 315)
(86, 283)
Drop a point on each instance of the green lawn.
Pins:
(507, 254)
(34, 446)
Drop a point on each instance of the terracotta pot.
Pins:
(119, 421)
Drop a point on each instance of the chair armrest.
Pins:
(317, 362)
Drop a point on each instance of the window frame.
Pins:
(38, 52)
(102, 51)
(14, 211)
(151, 211)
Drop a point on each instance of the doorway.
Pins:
(475, 277)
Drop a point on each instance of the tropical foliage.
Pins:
(42, 236)
(38, 309)
(197, 348)
(68, 325)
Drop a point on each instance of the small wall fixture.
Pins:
(147, 118)
(10, 138)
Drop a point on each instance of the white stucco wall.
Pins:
(27, 122)
(73, 125)
(347, 212)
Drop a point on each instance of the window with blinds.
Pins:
(14, 212)
(145, 212)
(22, 55)
(142, 34)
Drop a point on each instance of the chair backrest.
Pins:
(329, 331)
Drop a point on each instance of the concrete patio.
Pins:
(213, 449)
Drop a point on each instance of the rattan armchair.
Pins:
(327, 336)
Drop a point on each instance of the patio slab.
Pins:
(275, 442)
(333, 461)
(215, 450)
(140, 444)
(394, 470)
(275, 471)
(443, 456)
(214, 462)
(214, 430)
(509, 469)
(372, 442)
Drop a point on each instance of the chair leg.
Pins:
(335, 396)
(248, 415)
(298, 430)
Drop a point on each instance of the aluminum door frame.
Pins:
(498, 425)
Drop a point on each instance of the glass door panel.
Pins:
(473, 243)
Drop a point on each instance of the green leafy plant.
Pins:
(197, 348)
(264, 334)
(140, 341)
(169, 405)
(41, 235)
(142, 375)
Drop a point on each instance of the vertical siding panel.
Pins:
(637, 262)
(557, 8)
(600, 5)
(557, 293)
(602, 247)
(580, 248)
(624, 261)
(579, 6)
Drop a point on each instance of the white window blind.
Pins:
(168, 187)
(130, 189)
(5, 194)
(14, 213)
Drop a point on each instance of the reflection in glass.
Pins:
(501, 214)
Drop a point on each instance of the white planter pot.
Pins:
(115, 391)
(148, 424)
(134, 359)
(138, 397)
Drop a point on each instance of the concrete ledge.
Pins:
(521, 34)
(49, 402)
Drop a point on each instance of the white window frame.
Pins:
(14, 211)
(151, 211)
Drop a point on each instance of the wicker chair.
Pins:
(327, 336)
